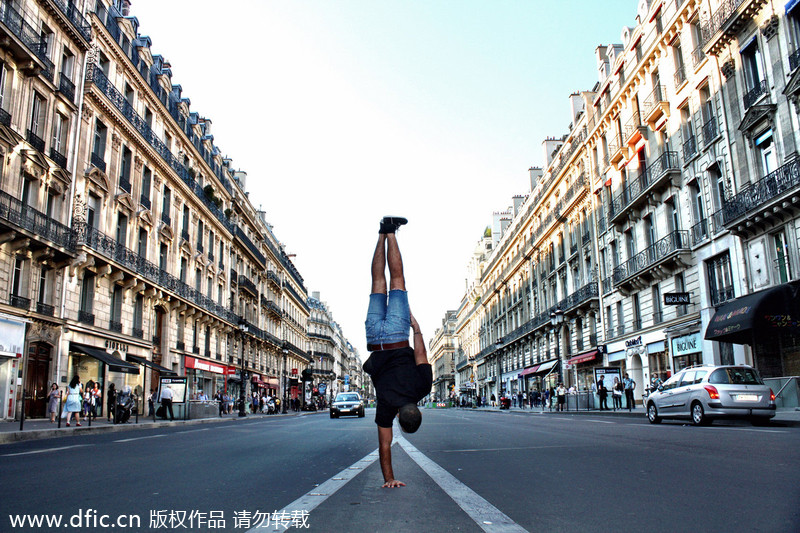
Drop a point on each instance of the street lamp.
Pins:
(285, 351)
(497, 345)
(556, 319)
(242, 374)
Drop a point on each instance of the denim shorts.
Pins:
(388, 317)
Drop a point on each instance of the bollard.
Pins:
(60, 407)
(22, 415)
(136, 405)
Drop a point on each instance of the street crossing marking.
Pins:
(488, 517)
(45, 451)
(309, 501)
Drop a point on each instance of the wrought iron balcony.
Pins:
(45, 309)
(587, 238)
(27, 42)
(583, 295)
(115, 326)
(74, 16)
(180, 345)
(196, 350)
(724, 23)
(165, 218)
(144, 200)
(58, 158)
(680, 76)
(247, 285)
(659, 173)
(637, 271)
(5, 117)
(19, 302)
(274, 308)
(200, 246)
(720, 295)
(700, 231)
(608, 284)
(39, 225)
(185, 234)
(753, 95)
(98, 161)
(658, 317)
(655, 105)
(770, 197)
(689, 148)
(616, 149)
(244, 239)
(125, 184)
(66, 87)
(710, 130)
(697, 56)
(273, 277)
(137, 332)
(35, 141)
(794, 60)
(85, 317)
(233, 275)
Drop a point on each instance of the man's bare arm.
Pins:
(385, 453)
(420, 353)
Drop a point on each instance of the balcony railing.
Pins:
(5, 117)
(697, 56)
(608, 284)
(66, 87)
(273, 277)
(165, 218)
(115, 326)
(74, 15)
(700, 231)
(35, 141)
(689, 148)
(125, 184)
(246, 284)
(655, 104)
(674, 242)
(785, 178)
(45, 309)
(138, 332)
(680, 76)
(14, 211)
(27, 34)
(98, 161)
(58, 158)
(85, 317)
(719, 18)
(180, 345)
(586, 239)
(250, 246)
(721, 295)
(185, 234)
(752, 96)
(144, 200)
(20, 302)
(794, 59)
(710, 130)
(637, 186)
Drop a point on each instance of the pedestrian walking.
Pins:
(111, 401)
(602, 392)
(561, 394)
(52, 401)
(74, 400)
(166, 402)
(87, 399)
(97, 397)
(629, 385)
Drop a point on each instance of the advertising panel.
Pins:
(608, 374)
(178, 386)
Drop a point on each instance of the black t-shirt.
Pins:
(398, 380)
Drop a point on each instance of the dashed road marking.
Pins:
(45, 451)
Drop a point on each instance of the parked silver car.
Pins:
(703, 393)
(347, 403)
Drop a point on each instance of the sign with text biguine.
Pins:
(676, 298)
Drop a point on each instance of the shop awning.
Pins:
(114, 363)
(529, 370)
(155, 366)
(583, 358)
(272, 383)
(538, 369)
(763, 314)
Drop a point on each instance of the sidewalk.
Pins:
(783, 417)
(39, 428)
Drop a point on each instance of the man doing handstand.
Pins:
(401, 376)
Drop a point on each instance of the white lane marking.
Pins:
(141, 438)
(309, 501)
(191, 431)
(601, 421)
(45, 451)
(507, 449)
(488, 517)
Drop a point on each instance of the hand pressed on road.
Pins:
(393, 483)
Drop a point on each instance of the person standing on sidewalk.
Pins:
(166, 402)
(561, 393)
(629, 385)
(52, 401)
(602, 392)
(74, 399)
(111, 401)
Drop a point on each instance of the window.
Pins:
(658, 316)
(637, 313)
(38, 110)
(30, 193)
(129, 94)
(630, 243)
(697, 203)
(141, 247)
(5, 87)
(122, 229)
(752, 66)
(720, 279)
(105, 64)
(147, 177)
(125, 169)
(165, 205)
(18, 280)
(680, 69)
(673, 218)
(87, 292)
(93, 210)
(52, 208)
(687, 131)
(198, 280)
(163, 254)
(186, 220)
(117, 296)
(649, 231)
(765, 149)
(58, 143)
(148, 117)
(43, 293)
(708, 116)
(99, 148)
(46, 37)
(200, 230)
(183, 270)
(67, 63)
(138, 314)
(620, 319)
(783, 266)
(717, 186)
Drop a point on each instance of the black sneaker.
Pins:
(390, 224)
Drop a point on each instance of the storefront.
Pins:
(687, 350)
(12, 342)
(640, 357)
(206, 377)
(769, 322)
(582, 368)
(93, 365)
(150, 379)
(541, 376)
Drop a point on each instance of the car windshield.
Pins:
(735, 375)
(347, 398)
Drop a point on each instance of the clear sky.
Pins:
(342, 111)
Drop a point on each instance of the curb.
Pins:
(38, 434)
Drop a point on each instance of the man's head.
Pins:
(410, 418)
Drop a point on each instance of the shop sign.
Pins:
(636, 341)
(676, 298)
(687, 344)
(197, 364)
(115, 346)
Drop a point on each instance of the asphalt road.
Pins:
(465, 470)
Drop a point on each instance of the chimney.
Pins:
(536, 175)
(518, 201)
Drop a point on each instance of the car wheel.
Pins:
(652, 414)
(699, 417)
(361, 414)
(760, 421)
(332, 416)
